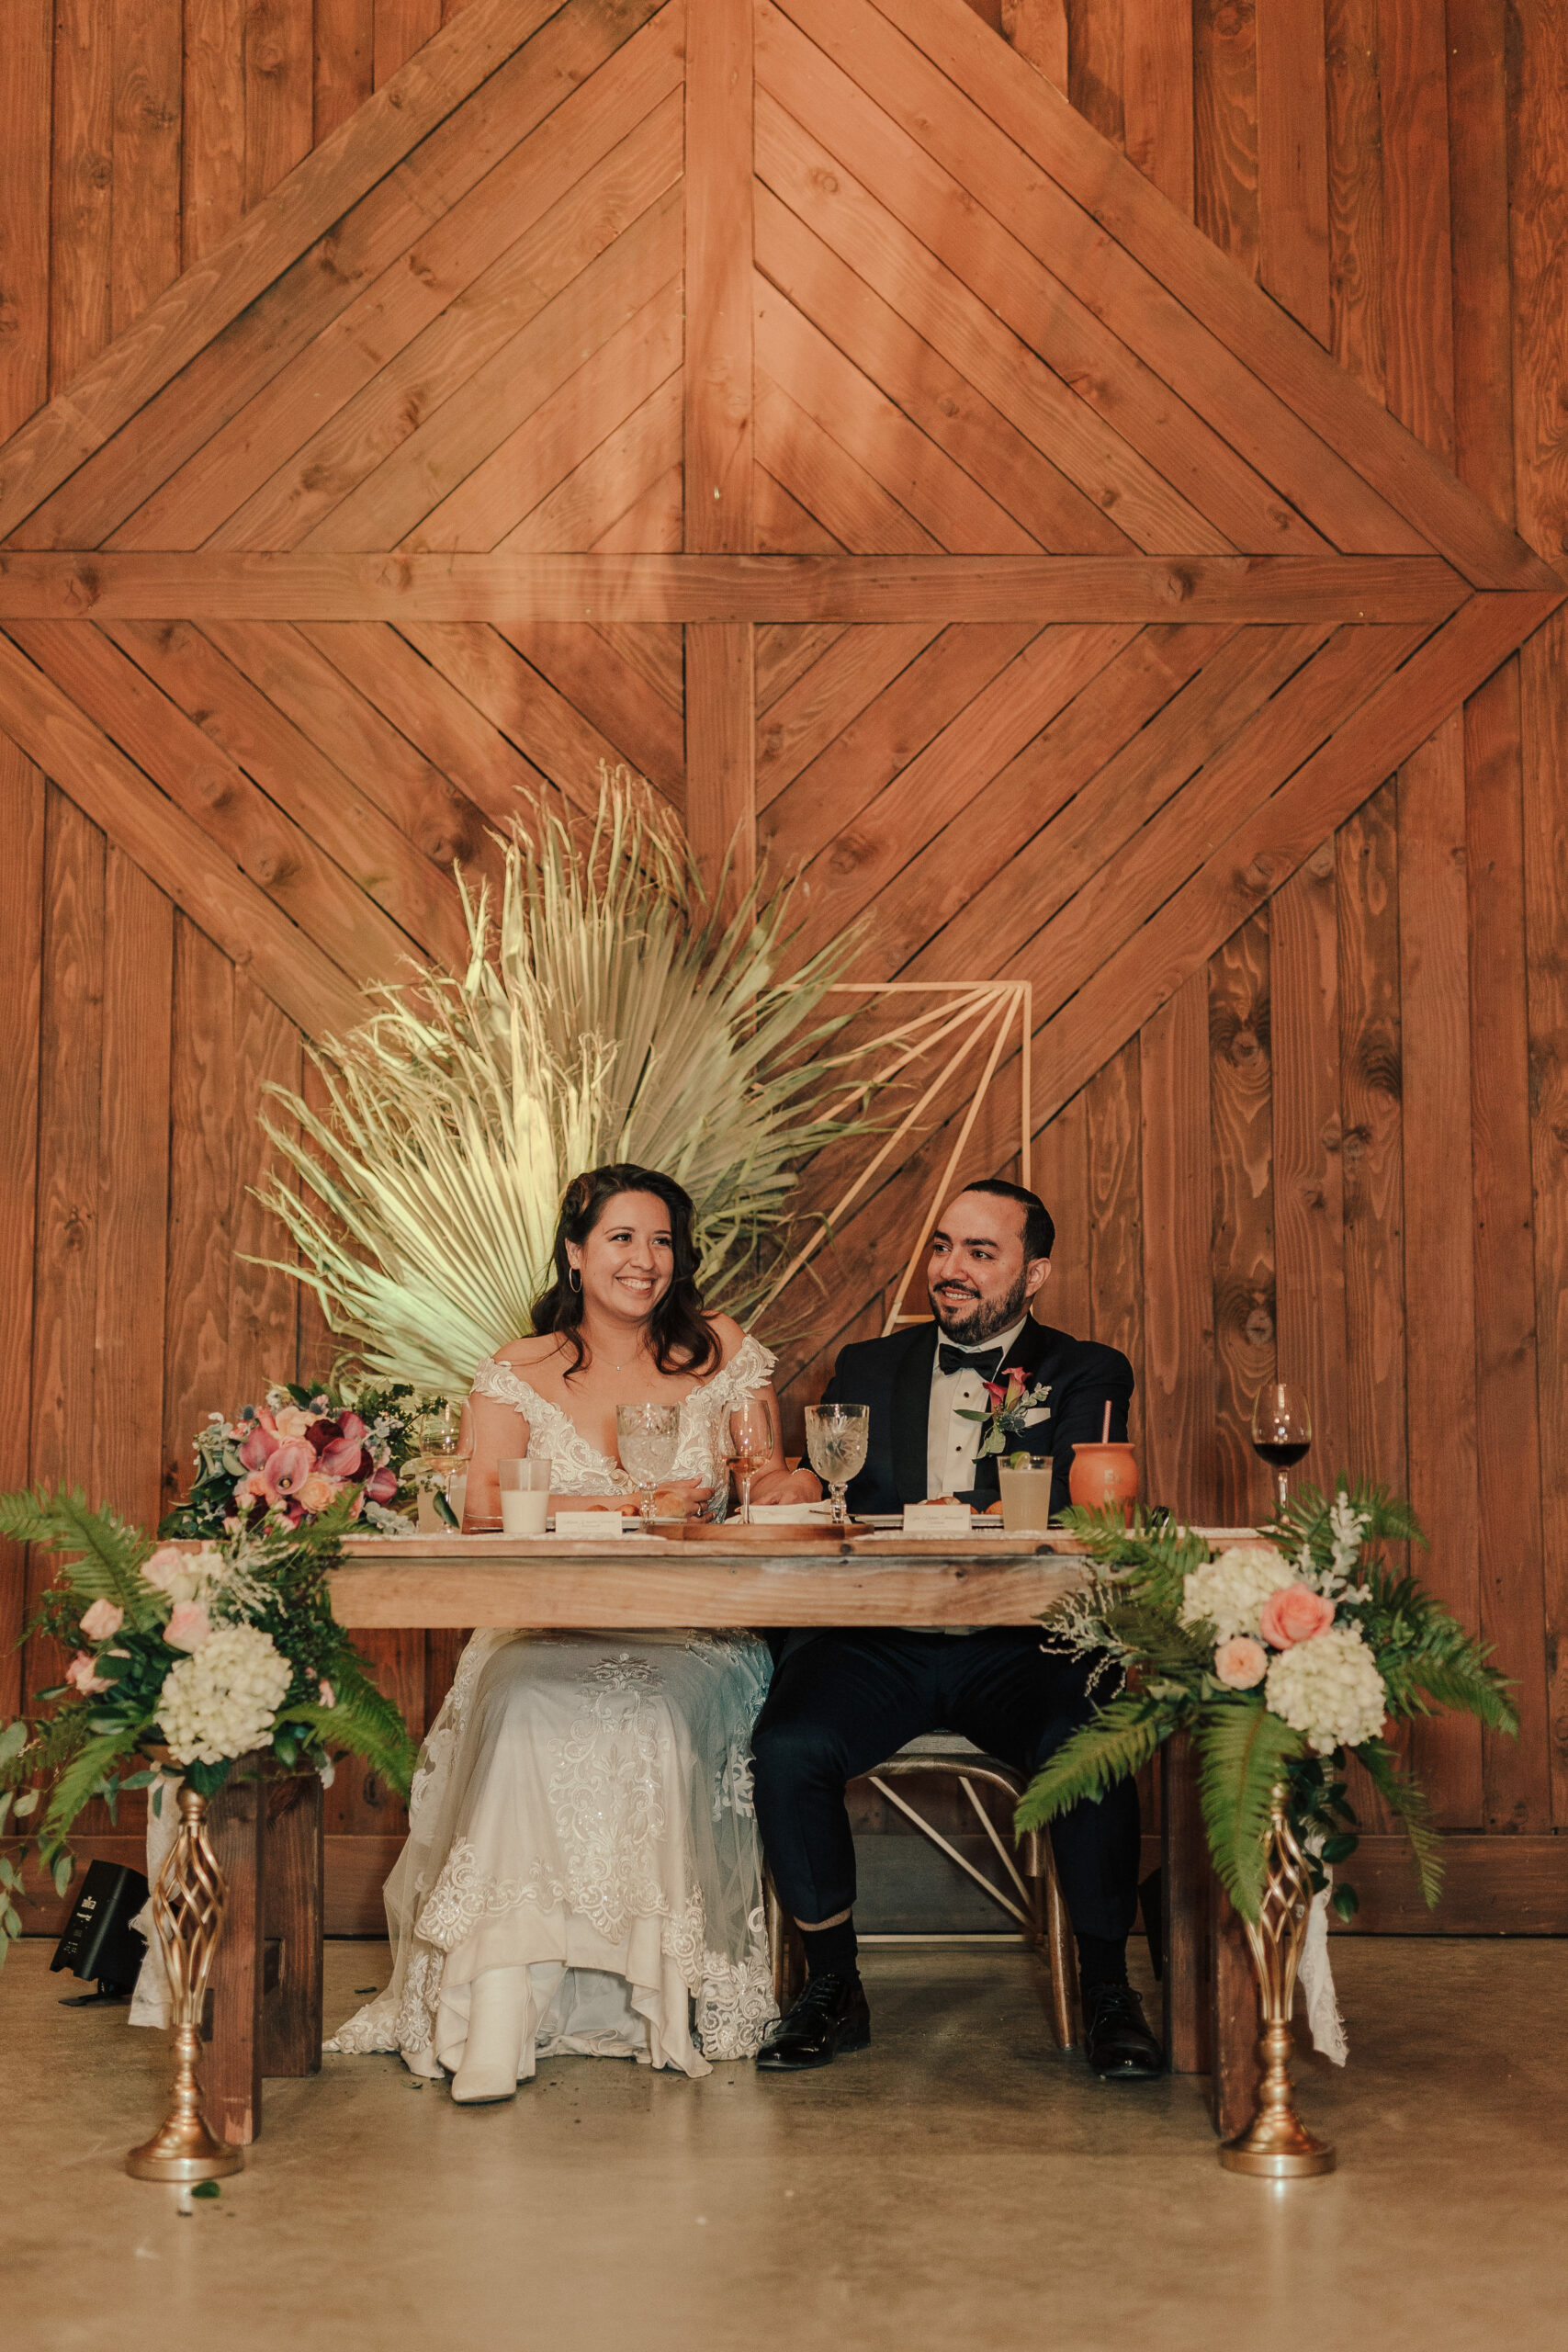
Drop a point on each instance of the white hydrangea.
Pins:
(1230, 1592)
(1328, 1688)
(222, 1701)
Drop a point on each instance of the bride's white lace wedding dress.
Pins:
(581, 1816)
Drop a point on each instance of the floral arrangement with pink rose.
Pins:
(1281, 1657)
(303, 1452)
(192, 1653)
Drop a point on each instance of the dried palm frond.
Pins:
(606, 1013)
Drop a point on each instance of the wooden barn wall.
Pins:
(1336, 1151)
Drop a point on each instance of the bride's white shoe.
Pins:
(498, 2019)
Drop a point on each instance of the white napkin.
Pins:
(789, 1514)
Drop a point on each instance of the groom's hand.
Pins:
(788, 1487)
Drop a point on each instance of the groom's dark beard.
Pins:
(981, 1321)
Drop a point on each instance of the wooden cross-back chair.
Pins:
(1035, 1899)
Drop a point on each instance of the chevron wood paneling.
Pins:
(1048, 519)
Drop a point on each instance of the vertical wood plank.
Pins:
(1292, 160)
(25, 92)
(134, 1192)
(213, 148)
(345, 60)
(65, 1256)
(279, 92)
(1418, 282)
(1061, 1179)
(1094, 64)
(22, 802)
(401, 27)
(200, 1242)
(82, 175)
(1439, 1292)
(1537, 234)
(1370, 1083)
(1242, 1087)
(316, 1344)
(262, 1321)
(1187, 1901)
(718, 278)
(1179, 1311)
(231, 2064)
(1038, 31)
(721, 754)
(1478, 204)
(1157, 93)
(1355, 191)
(1309, 1194)
(1516, 1775)
(1543, 664)
(1225, 130)
(146, 232)
(1113, 1107)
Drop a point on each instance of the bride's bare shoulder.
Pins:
(729, 1334)
(529, 1354)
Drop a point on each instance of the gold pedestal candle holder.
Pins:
(1276, 2145)
(187, 1915)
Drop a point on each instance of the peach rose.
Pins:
(329, 1696)
(166, 1563)
(189, 1625)
(80, 1675)
(102, 1620)
(317, 1492)
(1295, 1613)
(292, 1423)
(1241, 1662)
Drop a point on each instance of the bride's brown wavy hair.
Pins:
(683, 1340)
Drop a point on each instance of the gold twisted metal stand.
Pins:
(1276, 2143)
(188, 1912)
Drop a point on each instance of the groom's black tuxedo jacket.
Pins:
(894, 1377)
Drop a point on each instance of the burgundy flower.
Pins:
(344, 1457)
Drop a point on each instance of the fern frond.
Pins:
(1404, 1798)
(81, 1777)
(1241, 1754)
(111, 1550)
(366, 1724)
(1116, 1744)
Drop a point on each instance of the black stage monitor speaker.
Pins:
(99, 1940)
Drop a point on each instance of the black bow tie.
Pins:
(952, 1359)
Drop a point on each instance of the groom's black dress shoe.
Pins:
(1120, 2046)
(831, 2015)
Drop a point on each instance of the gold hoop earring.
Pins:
(573, 1279)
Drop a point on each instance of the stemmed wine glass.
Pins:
(1281, 1431)
(749, 1444)
(836, 1440)
(647, 1438)
(445, 1453)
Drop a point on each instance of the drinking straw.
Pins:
(1105, 1425)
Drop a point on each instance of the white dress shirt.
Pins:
(952, 1442)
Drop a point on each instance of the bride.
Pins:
(582, 1868)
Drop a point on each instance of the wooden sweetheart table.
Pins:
(265, 2001)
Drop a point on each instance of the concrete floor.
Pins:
(957, 2185)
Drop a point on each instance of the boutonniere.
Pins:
(1012, 1402)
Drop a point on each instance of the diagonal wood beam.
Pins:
(743, 588)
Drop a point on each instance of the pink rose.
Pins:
(80, 1675)
(189, 1625)
(102, 1620)
(166, 1563)
(383, 1485)
(317, 1492)
(1295, 1613)
(258, 1446)
(288, 1470)
(329, 1696)
(1240, 1663)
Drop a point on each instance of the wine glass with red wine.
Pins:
(1281, 1431)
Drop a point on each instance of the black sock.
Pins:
(1102, 1959)
(831, 1951)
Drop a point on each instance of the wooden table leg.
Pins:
(291, 2008)
(1237, 2021)
(1186, 1876)
(231, 2068)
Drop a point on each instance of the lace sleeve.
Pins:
(751, 1366)
(493, 1378)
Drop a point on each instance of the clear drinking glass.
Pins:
(648, 1437)
(445, 1453)
(748, 1443)
(1281, 1431)
(836, 1440)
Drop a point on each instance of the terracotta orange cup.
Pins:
(1101, 1475)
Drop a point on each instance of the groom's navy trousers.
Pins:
(843, 1702)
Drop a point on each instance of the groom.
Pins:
(843, 1702)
